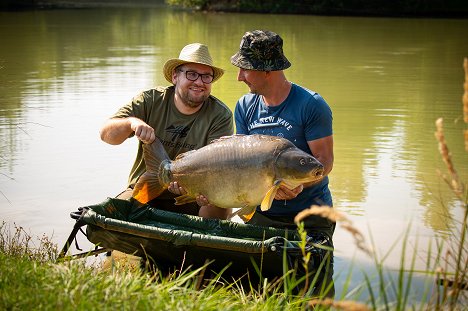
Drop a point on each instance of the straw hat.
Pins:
(193, 53)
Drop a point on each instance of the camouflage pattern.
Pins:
(261, 50)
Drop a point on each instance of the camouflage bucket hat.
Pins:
(261, 50)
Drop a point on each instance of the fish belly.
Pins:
(227, 177)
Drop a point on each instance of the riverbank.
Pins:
(382, 8)
(397, 8)
(77, 4)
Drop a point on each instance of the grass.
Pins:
(28, 285)
(30, 278)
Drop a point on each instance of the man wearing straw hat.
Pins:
(278, 107)
(183, 116)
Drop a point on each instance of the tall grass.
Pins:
(16, 242)
(453, 266)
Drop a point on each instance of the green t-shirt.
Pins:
(177, 132)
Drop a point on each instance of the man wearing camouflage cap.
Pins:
(278, 107)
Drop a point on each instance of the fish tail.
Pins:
(150, 185)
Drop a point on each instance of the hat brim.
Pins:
(241, 61)
(173, 63)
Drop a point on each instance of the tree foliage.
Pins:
(341, 7)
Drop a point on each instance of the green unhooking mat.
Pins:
(172, 239)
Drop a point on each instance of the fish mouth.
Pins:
(317, 174)
(313, 176)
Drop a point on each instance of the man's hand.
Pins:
(284, 193)
(203, 201)
(207, 210)
(176, 189)
(143, 131)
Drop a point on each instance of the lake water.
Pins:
(63, 72)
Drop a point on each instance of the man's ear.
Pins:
(174, 77)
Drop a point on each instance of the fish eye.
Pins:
(302, 161)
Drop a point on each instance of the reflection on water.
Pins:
(63, 72)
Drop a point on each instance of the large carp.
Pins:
(239, 171)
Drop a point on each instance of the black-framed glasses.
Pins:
(193, 76)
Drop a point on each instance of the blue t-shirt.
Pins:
(303, 116)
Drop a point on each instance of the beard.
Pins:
(191, 100)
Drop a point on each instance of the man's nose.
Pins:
(240, 75)
(199, 80)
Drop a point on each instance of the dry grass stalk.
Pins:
(455, 283)
(335, 216)
(346, 305)
(454, 181)
(465, 94)
(119, 261)
(465, 101)
(322, 211)
(466, 140)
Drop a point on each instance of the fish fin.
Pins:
(147, 188)
(154, 154)
(244, 212)
(270, 195)
(184, 199)
(226, 138)
(149, 185)
(247, 217)
(181, 155)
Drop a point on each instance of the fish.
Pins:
(237, 171)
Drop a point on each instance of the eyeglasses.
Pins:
(193, 76)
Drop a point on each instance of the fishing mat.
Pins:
(171, 240)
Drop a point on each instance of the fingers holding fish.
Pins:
(143, 131)
(145, 134)
(284, 193)
(203, 201)
(176, 189)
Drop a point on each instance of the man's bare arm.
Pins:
(115, 131)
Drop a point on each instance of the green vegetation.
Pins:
(30, 279)
(456, 8)
(333, 7)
